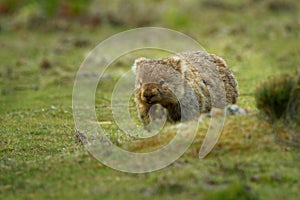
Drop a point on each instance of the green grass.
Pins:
(41, 158)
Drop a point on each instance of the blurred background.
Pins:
(251, 35)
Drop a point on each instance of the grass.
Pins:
(40, 157)
(273, 96)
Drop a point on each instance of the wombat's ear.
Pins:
(178, 64)
(137, 63)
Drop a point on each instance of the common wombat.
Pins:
(180, 82)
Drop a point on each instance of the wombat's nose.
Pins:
(149, 94)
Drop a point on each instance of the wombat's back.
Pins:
(210, 70)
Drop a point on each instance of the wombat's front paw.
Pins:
(145, 119)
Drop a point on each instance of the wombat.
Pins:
(192, 82)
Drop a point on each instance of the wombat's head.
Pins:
(159, 80)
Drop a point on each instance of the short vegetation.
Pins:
(273, 96)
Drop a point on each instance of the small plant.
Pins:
(273, 95)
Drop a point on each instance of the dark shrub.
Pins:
(273, 95)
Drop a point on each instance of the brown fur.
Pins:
(178, 81)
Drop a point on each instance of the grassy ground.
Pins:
(40, 157)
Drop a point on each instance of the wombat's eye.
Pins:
(162, 82)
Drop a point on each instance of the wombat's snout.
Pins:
(150, 93)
